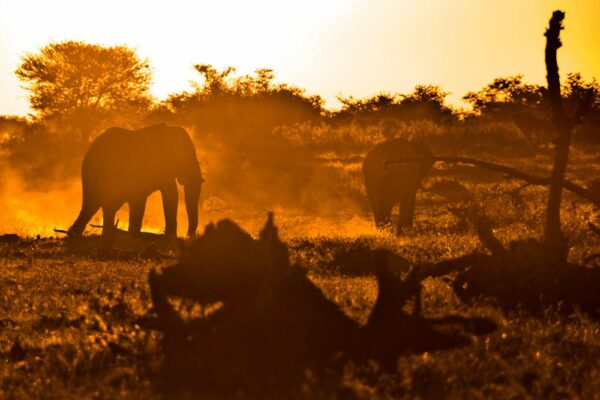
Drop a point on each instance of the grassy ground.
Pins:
(69, 317)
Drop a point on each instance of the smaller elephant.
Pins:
(388, 184)
(125, 166)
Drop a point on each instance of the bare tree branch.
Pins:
(453, 265)
(512, 172)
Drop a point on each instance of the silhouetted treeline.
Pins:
(259, 140)
(426, 102)
(240, 106)
(527, 106)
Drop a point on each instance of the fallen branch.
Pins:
(102, 226)
(512, 172)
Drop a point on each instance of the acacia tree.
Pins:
(86, 82)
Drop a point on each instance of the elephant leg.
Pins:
(136, 214)
(87, 212)
(407, 210)
(386, 214)
(108, 219)
(382, 212)
(169, 198)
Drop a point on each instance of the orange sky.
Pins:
(333, 47)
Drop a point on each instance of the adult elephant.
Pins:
(126, 166)
(388, 184)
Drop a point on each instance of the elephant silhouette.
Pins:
(126, 166)
(388, 184)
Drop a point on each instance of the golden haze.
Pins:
(353, 47)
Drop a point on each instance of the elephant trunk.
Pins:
(190, 176)
(192, 197)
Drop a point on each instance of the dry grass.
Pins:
(70, 322)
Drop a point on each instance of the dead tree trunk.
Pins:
(554, 240)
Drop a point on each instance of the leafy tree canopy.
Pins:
(75, 76)
(253, 103)
(505, 93)
(575, 89)
(217, 84)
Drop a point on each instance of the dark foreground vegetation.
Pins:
(491, 294)
(74, 315)
(77, 321)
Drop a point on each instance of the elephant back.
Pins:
(393, 149)
(122, 161)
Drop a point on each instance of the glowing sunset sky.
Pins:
(329, 47)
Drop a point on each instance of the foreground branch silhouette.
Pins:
(274, 322)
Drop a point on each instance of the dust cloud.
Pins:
(309, 198)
